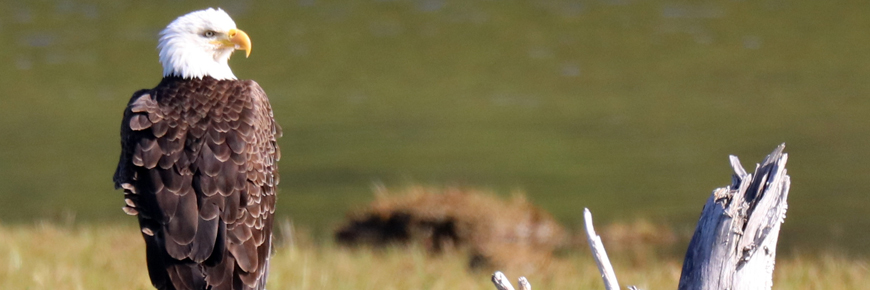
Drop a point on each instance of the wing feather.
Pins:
(211, 207)
(208, 163)
(206, 234)
(183, 225)
(245, 254)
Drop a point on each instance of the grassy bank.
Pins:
(47, 256)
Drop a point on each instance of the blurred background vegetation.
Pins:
(627, 107)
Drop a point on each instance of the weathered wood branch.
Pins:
(597, 247)
(501, 282)
(734, 245)
(604, 267)
(524, 283)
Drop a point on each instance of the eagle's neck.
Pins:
(191, 84)
(187, 59)
(191, 68)
(192, 96)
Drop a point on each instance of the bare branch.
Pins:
(501, 281)
(524, 284)
(600, 255)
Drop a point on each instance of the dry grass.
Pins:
(46, 256)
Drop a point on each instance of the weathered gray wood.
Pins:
(524, 284)
(501, 281)
(600, 255)
(604, 267)
(734, 245)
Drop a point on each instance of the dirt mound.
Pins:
(494, 231)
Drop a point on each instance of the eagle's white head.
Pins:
(199, 44)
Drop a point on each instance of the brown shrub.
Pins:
(492, 230)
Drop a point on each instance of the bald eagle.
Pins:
(198, 161)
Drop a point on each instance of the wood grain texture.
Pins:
(734, 245)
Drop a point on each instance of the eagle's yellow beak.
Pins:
(239, 40)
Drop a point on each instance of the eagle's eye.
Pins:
(208, 33)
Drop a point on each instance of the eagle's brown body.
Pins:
(199, 168)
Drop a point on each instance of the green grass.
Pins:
(48, 256)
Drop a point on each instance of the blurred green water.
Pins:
(627, 107)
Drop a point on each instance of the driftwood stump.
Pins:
(734, 245)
